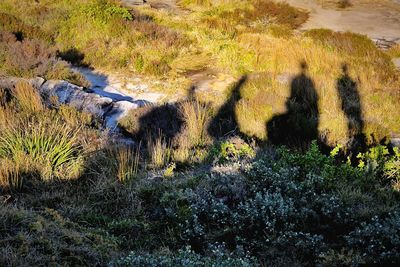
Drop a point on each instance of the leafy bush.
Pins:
(286, 206)
(186, 257)
(231, 150)
(378, 240)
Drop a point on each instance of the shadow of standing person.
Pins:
(225, 121)
(351, 106)
(298, 127)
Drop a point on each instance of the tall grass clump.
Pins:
(159, 152)
(127, 159)
(28, 98)
(52, 148)
(11, 174)
(253, 16)
(196, 117)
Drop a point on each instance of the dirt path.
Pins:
(169, 5)
(377, 19)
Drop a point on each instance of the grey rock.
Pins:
(10, 82)
(118, 111)
(396, 62)
(76, 97)
(132, 3)
(395, 142)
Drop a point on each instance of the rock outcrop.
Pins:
(10, 82)
(107, 109)
(75, 96)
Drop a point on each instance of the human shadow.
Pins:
(73, 56)
(225, 122)
(162, 121)
(351, 105)
(298, 127)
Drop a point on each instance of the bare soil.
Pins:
(376, 19)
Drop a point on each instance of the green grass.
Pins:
(52, 149)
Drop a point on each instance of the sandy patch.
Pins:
(376, 19)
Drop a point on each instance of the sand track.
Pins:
(376, 19)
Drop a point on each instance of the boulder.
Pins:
(132, 3)
(396, 62)
(395, 142)
(10, 82)
(75, 96)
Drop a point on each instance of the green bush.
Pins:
(231, 150)
(378, 240)
(186, 258)
(285, 206)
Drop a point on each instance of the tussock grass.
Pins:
(74, 118)
(373, 73)
(11, 174)
(344, 4)
(256, 15)
(235, 37)
(196, 117)
(127, 159)
(394, 52)
(28, 98)
(159, 152)
(52, 148)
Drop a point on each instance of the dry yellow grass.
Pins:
(127, 163)
(28, 98)
(377, 85)
(196, 116)
(159, 152)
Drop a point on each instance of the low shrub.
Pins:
(186, 257)
(32, 236)
(378, 240)
(31, 58)
(283, 207)
(22, 30)
(231, 150)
